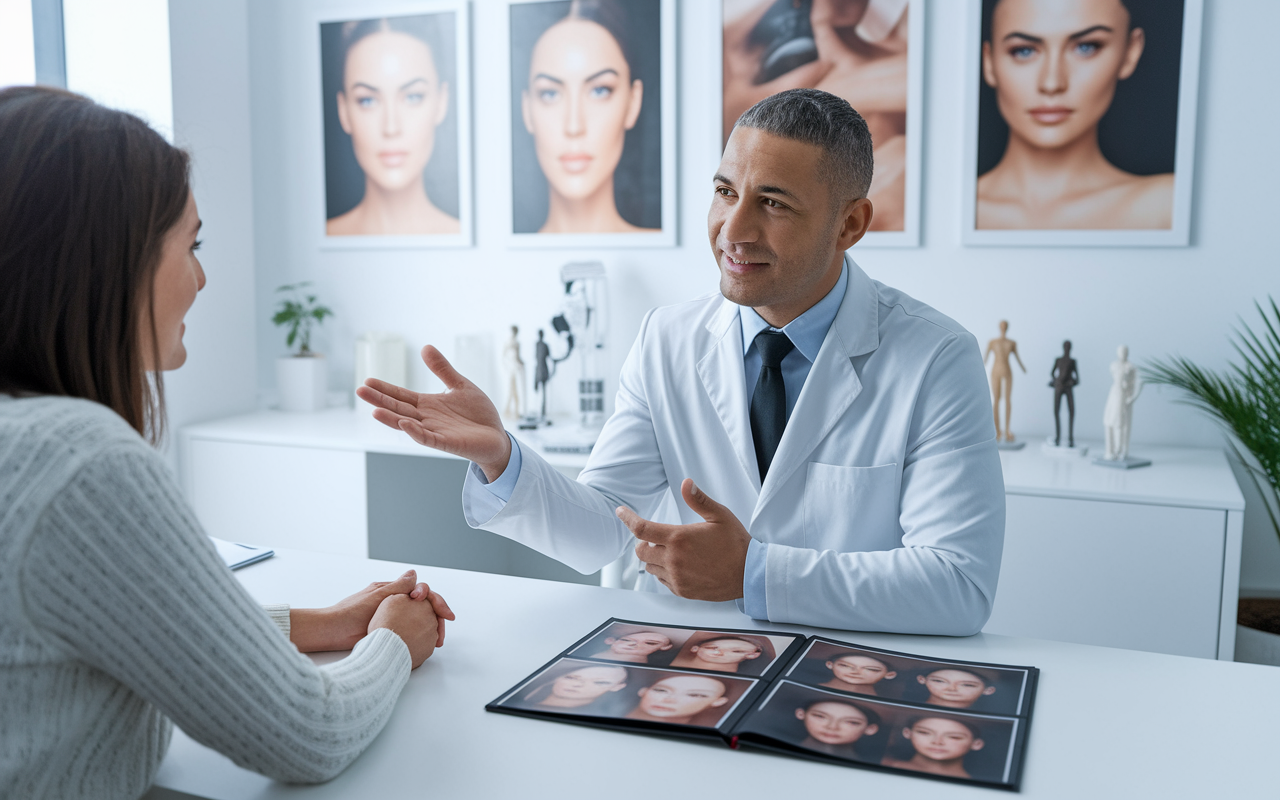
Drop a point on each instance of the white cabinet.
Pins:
(305, 498)
(1145, 559)
(303, 481)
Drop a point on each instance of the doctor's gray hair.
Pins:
(823, 119)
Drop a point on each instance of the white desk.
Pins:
(1107, 723)
(1146, 559)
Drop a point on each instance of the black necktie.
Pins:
(769, 403)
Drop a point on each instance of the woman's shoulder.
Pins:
(1150, 201)
(74, 426)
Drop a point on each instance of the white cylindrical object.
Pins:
(303, 382)
(879, 20)
(381, 356)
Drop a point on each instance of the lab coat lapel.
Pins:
(832, 385)
(724, 379)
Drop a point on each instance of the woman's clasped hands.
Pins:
(409, 609)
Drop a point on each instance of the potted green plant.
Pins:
(301, 377)
(1245, 398)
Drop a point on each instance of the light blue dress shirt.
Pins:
(806, 332)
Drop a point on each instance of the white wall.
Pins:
(1158, 301)
(17, 44)
(118, 54)
(210, 55)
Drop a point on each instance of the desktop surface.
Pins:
(1107, 722)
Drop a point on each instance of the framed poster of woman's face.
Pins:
(592, 121)
(1081, 121)
(869, 52)
(395, 111)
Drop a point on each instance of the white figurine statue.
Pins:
(514, 367)
(1118, 416)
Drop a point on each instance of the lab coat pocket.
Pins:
(851, 508)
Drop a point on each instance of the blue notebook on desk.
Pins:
(236, 555)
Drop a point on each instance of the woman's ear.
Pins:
(978, 744)
(1133, 52)
(524, 111)
(871, 730)
(342, 113)
(637, 98)
(442, 108)
(988, 66)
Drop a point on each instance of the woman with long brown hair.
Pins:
(117, 618)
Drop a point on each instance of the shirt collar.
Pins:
(806, 331)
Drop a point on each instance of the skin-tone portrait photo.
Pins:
(858, 672)
(954, 746)
(856, 49)
(821, 722)
(989, 690)
(391, 136)
(737, 653)
(956, 688)
(1078, 115)
(836, 666)
(984, 689)
(574, 687)
(635, 644)
(686, 699)
(586, 117)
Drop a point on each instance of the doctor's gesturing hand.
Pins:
(702, 560)
(461, 420)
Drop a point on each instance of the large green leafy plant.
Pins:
(299, 313)
(1245, 398)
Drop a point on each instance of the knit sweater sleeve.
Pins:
(120, 573)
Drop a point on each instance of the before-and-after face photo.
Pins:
(981, 688)
(686, 648)
(869, 731)
(587, 688)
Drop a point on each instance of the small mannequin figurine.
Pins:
(1002, 379)
(1065, 379)
(542, 370)
(1117, 418)
(514, 366)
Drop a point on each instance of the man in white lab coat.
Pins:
(830, 437)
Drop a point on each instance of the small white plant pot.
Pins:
(303, 382)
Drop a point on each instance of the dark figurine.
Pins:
(542, 370)
(1065, 378)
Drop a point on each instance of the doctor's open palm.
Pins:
(461, 420)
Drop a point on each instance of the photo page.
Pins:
(814, 698)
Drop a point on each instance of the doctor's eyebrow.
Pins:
(766, 189)
(361, 85)
(412, 82)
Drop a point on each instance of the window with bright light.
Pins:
(17, 44)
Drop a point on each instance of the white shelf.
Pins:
(1185, 477)
(347, 429)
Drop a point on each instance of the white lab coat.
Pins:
(884, 506)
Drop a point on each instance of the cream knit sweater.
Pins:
(117, 616)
